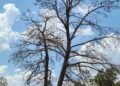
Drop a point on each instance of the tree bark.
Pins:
(62, 74)
(46, 62)
(46, 72)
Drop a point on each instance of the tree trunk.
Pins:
(62, 74)
(46, 71)
(46, 62)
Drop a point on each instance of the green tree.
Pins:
(106, 78)
(3, 81)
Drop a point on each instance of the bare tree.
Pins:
(45, 38)
(33, 51)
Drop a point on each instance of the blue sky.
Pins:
(113, 19)
(9, 70)
(22, 5)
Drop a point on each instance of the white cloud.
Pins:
(82, 9)
(110, 49)
(4, 46)
(7, 19)
(18, 70)
(46, 13)
(17, 78)
(87, 31)
(14, 80)
(3, 68)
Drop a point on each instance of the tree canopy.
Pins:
(109, 77)
(53, 37)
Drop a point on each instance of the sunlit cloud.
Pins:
(3, 69)
(7, 19)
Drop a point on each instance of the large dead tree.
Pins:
(55, 32)
(33, 51)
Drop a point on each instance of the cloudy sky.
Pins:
(11, 26)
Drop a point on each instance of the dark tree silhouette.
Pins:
(52, 33)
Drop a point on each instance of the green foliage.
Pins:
(105, 78)
(117, 84)
(3, 81)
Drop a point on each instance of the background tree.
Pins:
(3, 81)
(55, 32)
(106, 78)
